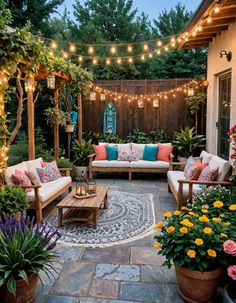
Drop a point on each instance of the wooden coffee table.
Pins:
(83, 209)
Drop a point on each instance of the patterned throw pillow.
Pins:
(33, 177)
(190, 162)
(192, 172)
(47, 174)
(20, 178)
(54, 165)
(124, 155)
(208, 174)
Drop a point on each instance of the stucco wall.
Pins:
(216, 65)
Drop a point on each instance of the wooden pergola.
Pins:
(210, 19)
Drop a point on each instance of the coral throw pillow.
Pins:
(20, 178)
(124, 155)
(101, 152)
(33, 178)
(47, 174)
(190, 162)
(164, 152)
(194, 171)
(111, 152)
(150, 153)
(208, 174)
(54, 165)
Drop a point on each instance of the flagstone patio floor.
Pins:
(129, 273)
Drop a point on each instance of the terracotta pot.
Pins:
(197, 287)
(25, 293)
(69, 128)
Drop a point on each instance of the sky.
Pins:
(150, 7)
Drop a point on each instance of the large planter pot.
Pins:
(25, 293)
(197, 287)
(81, 171)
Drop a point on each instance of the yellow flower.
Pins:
(183, 230)
(218, 204)
(223, 235)
(177, 212)
(191, 253)
(170, 229)
(203, 210)
(187, 223)
(222, 215)
(211, 253)
(232, 207)
(198, 241)
(204, 219)
(207, 230)
(184, 208)
(159, 225)
(227, 223)
(191, 213)
(167, 214)
(217, 220)
(157, 245)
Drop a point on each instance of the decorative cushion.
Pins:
(112, 153)
(208, 174)
(33, 164)
(192, 172)
(101, 152)
(54, 165)
(164, 152)
(47, 174)
(33, 177)
(124, 155)
(20, 178)
(10, 170)
(206, 157)
(223, 166)
(190, 162)
(150, 153)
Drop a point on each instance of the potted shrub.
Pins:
(13, 200)
(187, 142)
(55, 115)
(81, 151)
(25, 249)
(192, 239)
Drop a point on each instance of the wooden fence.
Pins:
(171, 115)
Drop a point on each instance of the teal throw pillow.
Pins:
(150, 153)
(112, 153)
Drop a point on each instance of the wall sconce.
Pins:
(29, 85)
(228, 55)
(51, 82)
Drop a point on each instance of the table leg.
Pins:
(95, 216)
(105, 202)
(59, 216)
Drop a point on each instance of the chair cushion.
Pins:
(106, 163)
(150, 153)
(173, 177)
(11, 170)
(101, 152)
(223, 165)
(111, 152)
(49, 189)
(149, 164)
(164, 152)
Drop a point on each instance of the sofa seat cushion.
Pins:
(174, 176)
(149, 164)
(11, 171)
(222, 165)
(113, 163)
(49, 189)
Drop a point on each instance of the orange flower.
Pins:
(211, 253)
(177, 212)
(187, 223)
(204, 219)
(159, 225)
(157, 245)
(198, 241)
(191, 253)
(167, 214)
(170, 229)
(217, 220)
(232, 207)
(183, 230)
(207, 230)
(218, 204)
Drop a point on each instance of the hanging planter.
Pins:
(69, 128)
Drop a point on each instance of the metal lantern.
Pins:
(103, 97)
(140, 103)
(92, 97)
(91, 186)
(190, 91)
(155, 103)
(81, 187)
(51, 82)
(29, 85)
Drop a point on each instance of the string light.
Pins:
(145, 46)
(113, 50)
(159, 43)
(130, 60)
(142, 57)
(150, 55)
(119, 61)
(95, 61)
(54, 45)
(80, 59)
(90, 50)
(108, 61)
(72, 48)
(217, 9)
(130, 48)
(209, 20)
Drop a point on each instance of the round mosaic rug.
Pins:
(129, 217)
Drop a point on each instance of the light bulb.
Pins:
(142, 57)
(113, 50)
(119, 61)
(145, 47)
(53, 44)
(130, 60)
(72, 48)
(90, 50)
(108, 61)
(95, 61)
(150, 55)
(65, 55)
(217, 9)
(209, 20)
(159, 43)
(80, 58)
(130, 48)
(166, 48)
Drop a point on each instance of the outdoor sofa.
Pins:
(132, 166)
(42, 194)
(183, 189)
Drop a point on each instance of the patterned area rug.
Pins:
(129, 217)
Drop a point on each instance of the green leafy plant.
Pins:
(64, 163)
(100, 137)
(194, 237)
(13, 200)
(158, 136)
(81, 151)
(25, 248)
(194, 103)
(187, 141)
(55, 115)
(137, 136)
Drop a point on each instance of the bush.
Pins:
(158, 136)
(137, 137)
(64, 163)
(100, 137)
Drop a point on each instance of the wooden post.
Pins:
(80, 119)
(30, 112)
(56, 126)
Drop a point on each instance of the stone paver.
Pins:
(117, 272)
(75, 279)
(68, 253)
(90, 300)
(157, 274)
(145, 255)
(104, 289)
(107, 255)
(171, 294)
(142, 292)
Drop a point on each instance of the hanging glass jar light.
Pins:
(29, 85)
(51, 82)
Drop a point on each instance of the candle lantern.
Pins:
(51, 82)
(190, 91)
(81, 187)
(91, 186)
(29, 85)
